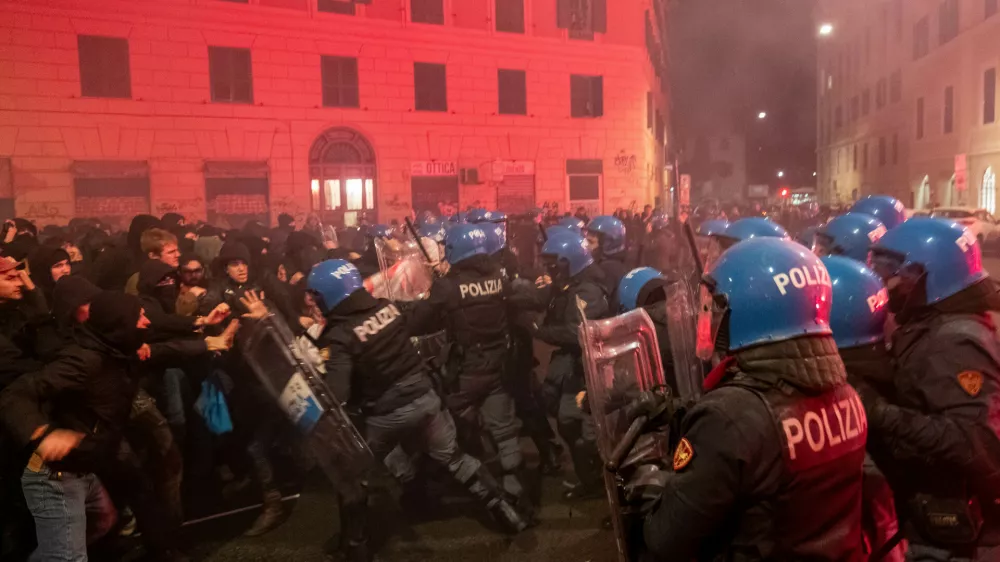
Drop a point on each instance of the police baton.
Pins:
(413, 231)
(625, 445)
(689, 234)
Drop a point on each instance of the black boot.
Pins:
(483, 486)
(507, 516)
(270, 517)
(586, 463)
(549, 457)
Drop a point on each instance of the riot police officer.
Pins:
(470, 302)
(758, 473)
(371, 364)
(573, 223)
(645, 288)
(606, 239)
(887, 209)
(939, 441)
(573, 274)
(850, 234)
(752, 227)
(857, 318)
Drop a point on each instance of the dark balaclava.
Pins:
(40, 262)
(71, 292)
(158, 280)
(113, 319)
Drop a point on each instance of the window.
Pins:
(920, 118)
(582, 18)
(114, 191)
(230, 73)
(336, 6)
(839, 119)
(586, 96)
(880, 94)
(855, 158)
(895, 148)
(513, 92)
(340, 81)
(990, 8)
(104, 67)
(896, 87)
(881, 152)
(855, 108)
(921, 38)
(510, 16)
(990, 96)
(868, 46)
(236, 192)
(661, 129)
(584, 182)
(427, 11)
(864, 157)
(897, 8)
(649, 110)
(947, 21)
(430, 86)
(949, 109)
(866, 102)
(988, 193)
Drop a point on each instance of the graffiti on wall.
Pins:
(289, 205)
(46, 212)
(191, 207)
(626, 163)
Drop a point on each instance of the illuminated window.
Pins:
(988, 193)
(369, 194)
(104, 67)
(355, 194)
(230, 74)
(331, 195)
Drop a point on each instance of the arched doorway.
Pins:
(342, 169)
(923, 198)
(948, 197)
(988, 191)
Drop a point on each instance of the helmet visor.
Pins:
(885, 264)
(823, 245)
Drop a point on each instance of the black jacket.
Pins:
(750, 484)
(941, 437)
(89, 388)
(370, 361)
(614, 268)
(26, 335)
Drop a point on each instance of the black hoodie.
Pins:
(158, 292)
(40, 262)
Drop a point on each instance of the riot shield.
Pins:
(682, 327)
(621, 360)
(404, 272)
(294, 382)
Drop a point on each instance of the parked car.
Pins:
(979, 221)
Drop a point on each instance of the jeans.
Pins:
(70, 510)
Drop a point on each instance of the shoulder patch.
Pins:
(971, 382)
(683, 454)
(325, 353)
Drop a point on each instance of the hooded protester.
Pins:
(158, 290)
(171, 220)
(235, 274)
(113, 267)
(72, 414)
(71, 299)
(48, 265)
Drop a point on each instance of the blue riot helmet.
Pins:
(464, 241)
(458, 218)
(850, 234)
(478, 215)
(887, 209)
(566, 252)
(332, 281)
(939, 256)
(499, 218)
(639, 287)
(610, 234)
(752, 227)
(765, 290)
(712, 227)
(558, 229)
(427, 217)
(433, 230)
(860, 303)
(377, 231)
(574, 223)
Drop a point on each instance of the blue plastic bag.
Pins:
(212, 406)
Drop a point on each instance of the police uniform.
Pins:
(471, 301)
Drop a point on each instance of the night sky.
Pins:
(733, 58)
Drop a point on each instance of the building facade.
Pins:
(908, 101)
(230, 110)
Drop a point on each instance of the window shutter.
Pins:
(564, 14)
(600, 15)
(597, 95)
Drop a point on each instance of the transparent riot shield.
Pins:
(682, 327)
(404, 272)
(621, 360)
(294, 382)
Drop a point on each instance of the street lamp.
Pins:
(781, 173)
(814, 174)
(826, 29)
(762, 115)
